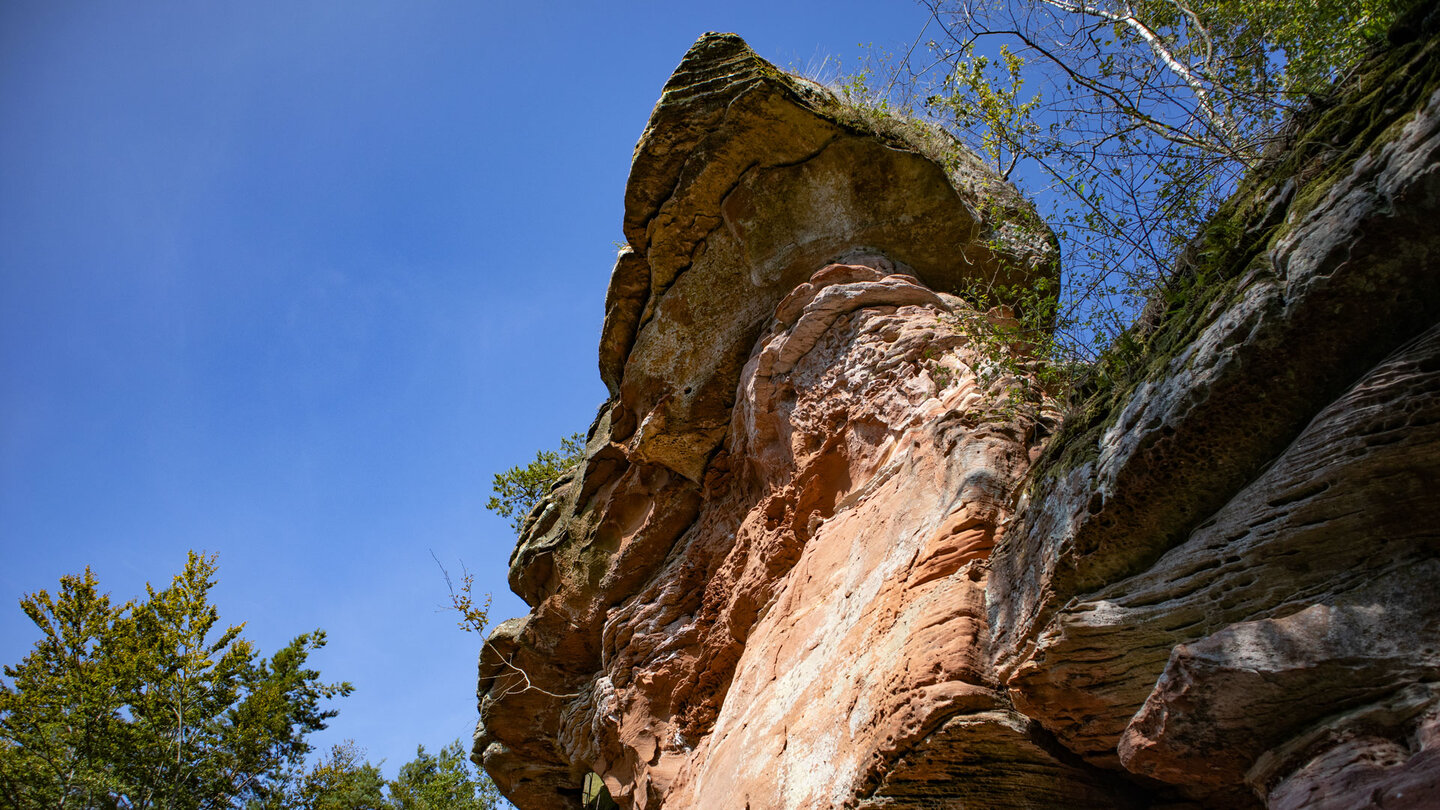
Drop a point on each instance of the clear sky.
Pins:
(290, 281)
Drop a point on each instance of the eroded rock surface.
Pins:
(878, 471)
(746, 181)
(789, 499)
(819, 553)
(1217, 562)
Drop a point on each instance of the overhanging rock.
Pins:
(746, 180)
(650, 565)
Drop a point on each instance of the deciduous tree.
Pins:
(150, 704)
(1127, 120)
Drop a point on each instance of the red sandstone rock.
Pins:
(793, 570)
(772, 428)
(816, 637)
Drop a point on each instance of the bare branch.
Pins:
(529, 686)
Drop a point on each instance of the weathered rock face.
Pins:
(821, 554)
(746, 181)
(1225, 569)
(796, 427)
(876, 483)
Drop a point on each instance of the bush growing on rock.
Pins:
(518, 489)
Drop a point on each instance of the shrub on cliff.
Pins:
(1128, 121)
(518, 489)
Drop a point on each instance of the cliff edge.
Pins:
(822, 552)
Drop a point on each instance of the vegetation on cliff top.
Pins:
(1322, 143)
(1129, 123)
(1145, 118)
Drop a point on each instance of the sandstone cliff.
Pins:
(820, 554)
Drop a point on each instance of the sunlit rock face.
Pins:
(818, 637)
(823, 552)
(766, 581)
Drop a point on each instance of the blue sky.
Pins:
(289, 281)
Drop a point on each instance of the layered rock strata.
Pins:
(823, 549)
(798, 427)
(1224, 569)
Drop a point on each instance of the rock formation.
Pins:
(824, 551)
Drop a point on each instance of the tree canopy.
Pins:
(341, 780)
(344, 780)
(443, 781)
(150, 703)
(1128, 121)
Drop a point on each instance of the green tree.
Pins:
(518, 489)
(149, 705)
(59, 714)
(444, 781)
(343, 780)
(1128, 121)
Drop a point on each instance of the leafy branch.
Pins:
(519, 489)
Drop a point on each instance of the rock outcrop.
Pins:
(794, 421)
(1222, 557)
(823, 551)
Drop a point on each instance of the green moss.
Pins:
(1377, 104)
(1365, 112)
